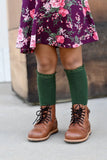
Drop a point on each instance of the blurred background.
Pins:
(19, 69)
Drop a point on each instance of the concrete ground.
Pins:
(16, 119)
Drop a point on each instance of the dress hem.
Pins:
(30, 50)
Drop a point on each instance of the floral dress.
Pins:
(59, 23)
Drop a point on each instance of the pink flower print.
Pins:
(87, 5)
(40, 29)
(62, 3)
(33, 41)
(86, 8)
(54, 43)
(47, 6)
(77, 44)
(63, 12)
(47, 20)
(57, 3)
(32, 12)
(68, 24)
(60, 39)
(19, 45)
(95, 36)
(84, 11)
(20, 34)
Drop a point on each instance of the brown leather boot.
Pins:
(46, 124)
(79, 128)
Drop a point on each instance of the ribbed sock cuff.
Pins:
(77, 79)
(46, 84)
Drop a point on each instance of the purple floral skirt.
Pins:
(59, 23)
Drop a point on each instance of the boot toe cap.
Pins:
(73, 136)
(35, 134)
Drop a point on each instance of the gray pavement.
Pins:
(16, 119)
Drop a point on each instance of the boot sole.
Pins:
(78, 140)
(44, 138)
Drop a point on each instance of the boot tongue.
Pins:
(43, 107)
(78, 113)
(79, 106)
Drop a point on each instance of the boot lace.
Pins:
(77, 114)
(43, 115)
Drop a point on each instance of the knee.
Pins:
(71, 63)
(46, 66)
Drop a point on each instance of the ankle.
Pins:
(43, 106)
(52, 109)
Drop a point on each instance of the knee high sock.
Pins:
(77, 79)
(46, 84)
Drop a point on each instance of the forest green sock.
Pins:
(46, 84)
(77, 79)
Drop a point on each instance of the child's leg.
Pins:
(79, 128)
(46, 57)
(74, 68)
(78, 85)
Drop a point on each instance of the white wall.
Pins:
(4, 44)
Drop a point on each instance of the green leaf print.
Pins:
(25, 31)
(83, 3)
(30, 26)
(69, 18)
(47, 15)
(76, 39)
(90, 14)
(54, 10)
(52, 34)
(48, 31)
(69, 4)
(72, 39)
(30, 19)
(57, 20)
(23, 11)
